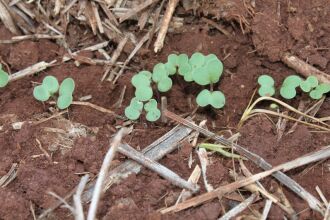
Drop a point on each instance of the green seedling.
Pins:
(288, 89)
(310, 83)
(206, 69)
(160, 76)
(216, 99)
(143, 93)
(153, 113)
(4, 77)
(133, 111)
(143, 78)
(266, 83)
(319, 91)
(50, 86)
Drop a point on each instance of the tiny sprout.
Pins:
(197, 60)
(172, 59)
(143, 93)
(132, 113)
(4, 78)
(140, 80)
(41, 93)
(165, 84)
(310, 83)
(51, 83)
(135, 103)
(274, 106)
(64, 101)
(151, 104)
(288, 89)
(216, 99)
(67, 87)
(266, 83)
(153, 115)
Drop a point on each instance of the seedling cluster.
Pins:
(50, 87)
(4, 77)
(290, 85)
(201, 69)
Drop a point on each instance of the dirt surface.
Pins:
(270, 29)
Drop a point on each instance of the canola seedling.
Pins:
(49, 88)
(200, 69)
(4, 77)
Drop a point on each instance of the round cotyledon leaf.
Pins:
(146, 73)
(288, 92)
(150, 105)
(165, 84)
(132, 113)
(266, 91)
(140, 80)
(41, 93)
(172, 59)
(182, 59)
(4, 78)
(51, 84)
(313, 81)
(266, 80)
(292, 81)
(135, 103)
(217, 99)
(153, 115)
(200, 76)
(316, 94)
(305, 86)
(197, 60)
(67, 87)
(324, 88)
(159, 72)
(171, 69)
(143, 93)
(203, 98)
(64, 101)
(214, 70)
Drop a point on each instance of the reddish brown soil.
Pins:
(299, 27)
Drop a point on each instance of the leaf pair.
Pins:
(161, 77)
(266, 83)
(288, 89)
(4, 77)
(50, 86)
(216, 99)
(134, 110)
(142, 83)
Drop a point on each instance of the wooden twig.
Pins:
(103, 173)
(217, 26)
(239, 208)
(158, 168)
(136, 10)
(266, 210)
(313, 202)
(16, 39)
(220, 191)
(304, 68)
(164, 26)
(31, 70)
(79, 211)
(155, 23)
(91, 48)
(163, 105)
(97, 17)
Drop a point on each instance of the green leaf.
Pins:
(159, 72)
(143, 93)
(171, 69)
(266, 91)
(197, 60)
(165, 84)
(313, 81)
(41, 93)
(150, 105)
(288, 92)
(132, 113)
(266, 80)
(140, 80)
(184, 69)
(135, 103)
(203, 98)
(200, 76)
(64, 101)
(214, 70)
(305, 86)
(316, 94)
(323, 87)
(211, 57)
(217, 99)
(292, 81)
(67, 87)
(4, 78)
(153, 115)
(51, 84)
(183, 59)
(172, 59)
(146, 73)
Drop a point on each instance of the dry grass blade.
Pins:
(266, 210)
(6, 18)
(310, 158)
(158, 168)
(30, 37)
(136, 10)
(239, 208)
(313, 202)
(79, 211)
(91, 48)
(164, 26)
(30, 70)
(103, 173)
(10, 176)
